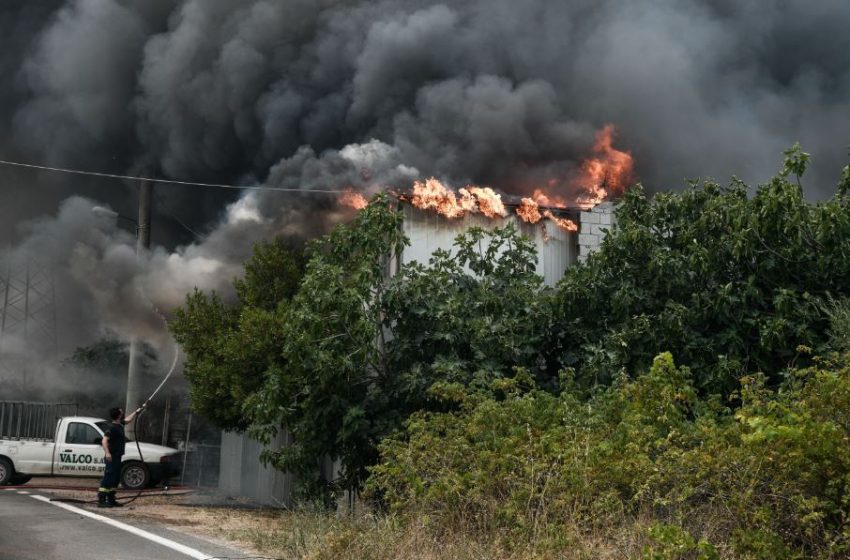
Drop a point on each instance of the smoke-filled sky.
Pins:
(323, 94)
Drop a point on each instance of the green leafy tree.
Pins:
(729, 283)
(363, 351)
(333, 389)
(472, 315)
(108, 355)
(229, 348)
(844, 182)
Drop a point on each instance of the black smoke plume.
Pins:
(364, 94)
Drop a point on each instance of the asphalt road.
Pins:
(31, 529)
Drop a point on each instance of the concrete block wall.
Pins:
(593, 225)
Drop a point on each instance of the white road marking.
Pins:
(197, 554)
(22, 492)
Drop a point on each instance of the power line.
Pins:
(169, 181)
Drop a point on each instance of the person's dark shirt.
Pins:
(116, 438)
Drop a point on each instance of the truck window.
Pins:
(82, 433)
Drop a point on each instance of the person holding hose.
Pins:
(113, 443)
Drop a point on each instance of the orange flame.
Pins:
(551, 200)
(434, 195)
(489, 202)
(604, 175)
(608, 173)
(529, 211)
(353, 199)
(564, 223)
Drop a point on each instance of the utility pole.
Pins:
(135, 372)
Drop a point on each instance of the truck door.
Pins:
(81, 453)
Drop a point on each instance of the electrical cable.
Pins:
(168, 181)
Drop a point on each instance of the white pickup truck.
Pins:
(75, 450)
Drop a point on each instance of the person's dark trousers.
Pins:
(111, 476)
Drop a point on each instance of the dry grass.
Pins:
(322, 536)
(316, 535)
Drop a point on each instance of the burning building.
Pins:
(557, 248)
(434, 215)
(564, 229)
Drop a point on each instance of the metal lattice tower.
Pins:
(27, 314)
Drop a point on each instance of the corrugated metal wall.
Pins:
(428, 231)
(242, 474)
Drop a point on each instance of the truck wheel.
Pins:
(134, 476)
(6, 472)
(20, 479)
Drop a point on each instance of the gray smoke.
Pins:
(365, 94)
(105, 291)
(490, 91)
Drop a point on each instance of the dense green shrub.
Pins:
(767, 480)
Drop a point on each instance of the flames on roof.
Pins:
(602, 176)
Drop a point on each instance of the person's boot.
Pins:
(102, 501)
(111, 501)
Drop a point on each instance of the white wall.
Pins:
(242, 474)
(429, 231)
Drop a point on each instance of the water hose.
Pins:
(141, 410)
(138, 415)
